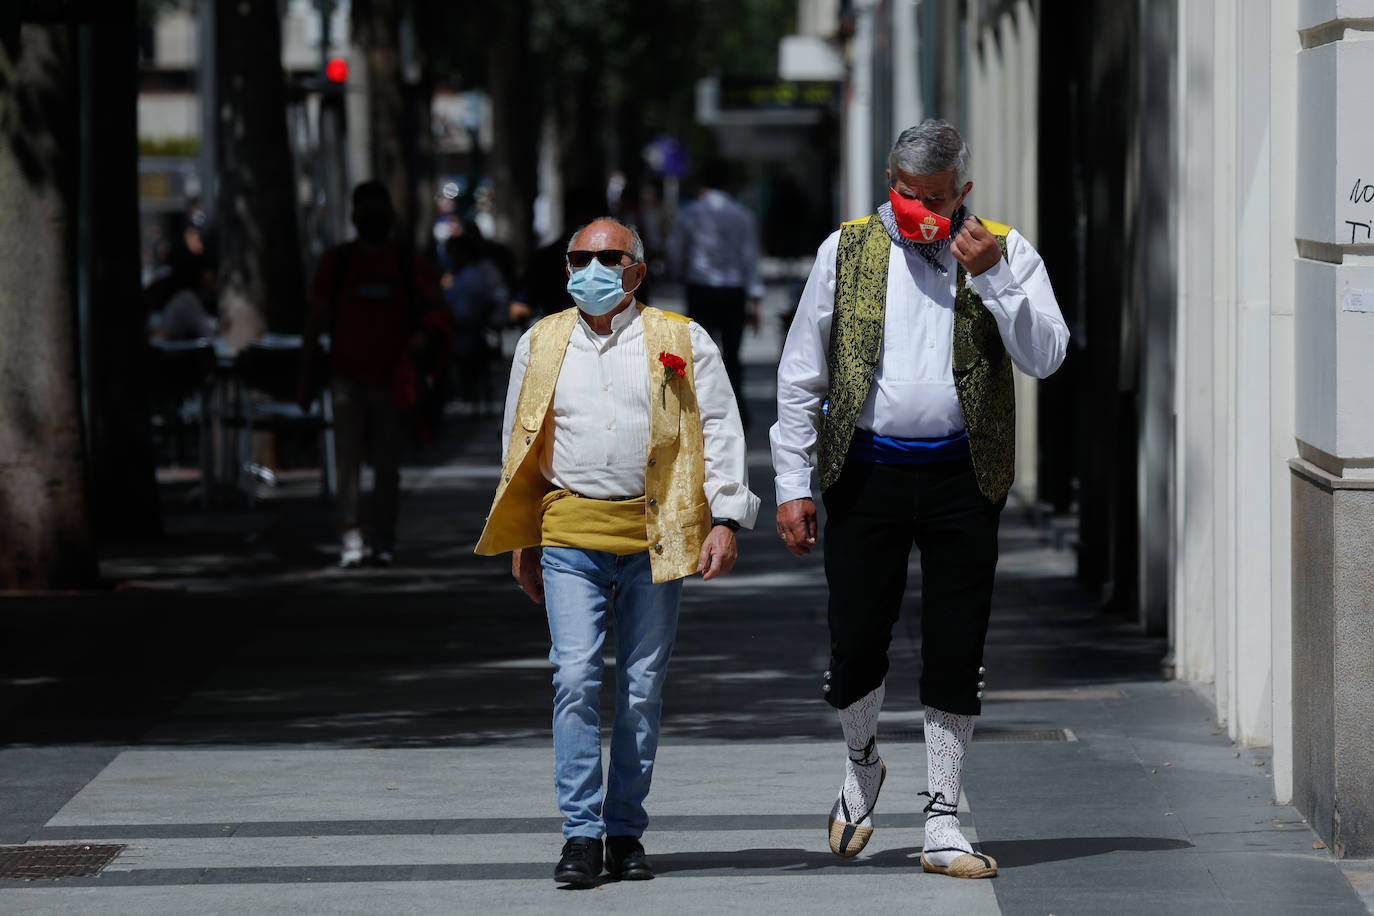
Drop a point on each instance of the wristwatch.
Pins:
(727, 522)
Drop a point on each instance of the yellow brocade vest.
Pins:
(676, 514)
(982, 369)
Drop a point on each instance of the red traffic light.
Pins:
(336, 71)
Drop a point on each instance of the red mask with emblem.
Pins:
(915, 221)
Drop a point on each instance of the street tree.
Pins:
(44, 533)
(396, 40)
(124, 498)
(261, 272)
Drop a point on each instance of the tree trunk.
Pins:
(582, 112)
(375, 30)
(44, 537)
(260, 253)
(124, 499)
(515, 126)
(423, 163)
(400, 131)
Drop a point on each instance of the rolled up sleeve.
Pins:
(727, 463)
(1017, 292)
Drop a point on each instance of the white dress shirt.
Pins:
(714, 243)
(913, 394)
(601, 410)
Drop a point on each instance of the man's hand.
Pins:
(975, 247)
(755, 317)
(525, 567)
(718, 553)
(797, 525)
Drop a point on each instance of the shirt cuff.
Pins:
(793, 485)
(742, 507)
(995, 280)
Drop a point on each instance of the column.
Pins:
(1332, 477)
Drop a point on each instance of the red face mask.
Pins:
(916, 222)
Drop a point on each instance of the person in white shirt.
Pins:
(896, 374)
(624, 471)
(714, 250)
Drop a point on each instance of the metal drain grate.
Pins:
(55, 861)
(990, 733)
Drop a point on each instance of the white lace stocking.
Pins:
(862, 769)
(947, 739)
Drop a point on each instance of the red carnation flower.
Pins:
(672, 365)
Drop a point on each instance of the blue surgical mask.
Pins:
(596, 288)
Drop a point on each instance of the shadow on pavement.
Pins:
(1009, 854)
(1021, 853)
(236, 630)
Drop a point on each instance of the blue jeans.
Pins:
(580, 587)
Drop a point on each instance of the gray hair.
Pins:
(930, 147)
(636, 243)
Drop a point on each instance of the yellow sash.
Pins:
(616, 526)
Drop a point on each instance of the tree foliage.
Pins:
(646, 54)
(612, 73)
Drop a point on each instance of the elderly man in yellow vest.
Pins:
(897, 373)
(624, 472)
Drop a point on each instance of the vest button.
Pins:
(658, 548)
(653, 461)
(527, 440)
(507, 477)
(982, 671)
(652, 501)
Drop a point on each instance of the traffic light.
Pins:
(336, 71)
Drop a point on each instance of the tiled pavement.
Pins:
(266, 735)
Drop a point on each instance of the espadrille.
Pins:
(969, 865)
(847, 838)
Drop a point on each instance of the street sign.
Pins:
(766, 95)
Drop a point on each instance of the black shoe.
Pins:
(625, 859)
(580, 865)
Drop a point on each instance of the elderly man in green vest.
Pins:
(896, 374)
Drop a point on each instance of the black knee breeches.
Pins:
(874, 513)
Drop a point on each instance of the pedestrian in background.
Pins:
(897, 375)
(371, 298)
(542, 289)
(713, 250)
(624, 472)
(478, 298)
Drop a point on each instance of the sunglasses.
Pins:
(609, 257)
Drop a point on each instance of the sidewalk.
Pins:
(265, 734)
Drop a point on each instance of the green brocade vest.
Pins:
(982, 369)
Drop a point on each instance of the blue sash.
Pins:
(869, 446)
